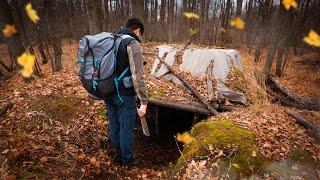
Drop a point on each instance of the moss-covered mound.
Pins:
(248, 84)
(61, 108)
(225, 135)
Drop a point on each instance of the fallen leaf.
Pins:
(236, 166)
(32, 14)
(5, 151)
(9, 30)
(43, 159)
(93, 160)
(185, 138)
(254, 154)
(191, 15)
(312, 39)
(82, 156)
(27, 60)
(290, 3)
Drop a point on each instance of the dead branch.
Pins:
(288, 98)
(4, 108)
(192, 89)
(312, 130)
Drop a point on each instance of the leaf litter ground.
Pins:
(38, 140)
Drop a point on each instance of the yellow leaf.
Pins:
(27, 61)
(312, 39)
(9, 30)
(290, 3)
(32, 13)
(191, 15)
(185, 138)
(238, 23)
(193, 32)
(236, 166)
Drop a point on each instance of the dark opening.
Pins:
(164, 123)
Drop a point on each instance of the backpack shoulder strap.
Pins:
(119, 40)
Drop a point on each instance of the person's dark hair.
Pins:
(135, 23)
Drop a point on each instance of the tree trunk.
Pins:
(55, 36)
(138, 9)
(239, 7)
(94, 15)
(270, 57)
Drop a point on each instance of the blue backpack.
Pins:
(97, 58)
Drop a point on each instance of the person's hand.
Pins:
(142, 110)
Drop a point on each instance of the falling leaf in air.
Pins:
(32, 13)
(185, 138)
(290, 3)
(191, 15)
(192, 32)
(238, 23)
(9, 30)
(312, 39)
(27, 60)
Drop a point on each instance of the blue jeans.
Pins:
(122, 119)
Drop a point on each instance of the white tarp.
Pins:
(196, 62)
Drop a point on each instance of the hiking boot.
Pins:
(132, 162)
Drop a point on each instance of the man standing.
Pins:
(121, 107)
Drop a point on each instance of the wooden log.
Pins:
(183, 107)
(312, 130)
(192, 89)
(4, 108)
(290, 99)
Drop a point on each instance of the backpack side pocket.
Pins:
(127, 82)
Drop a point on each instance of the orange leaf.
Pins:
(185, 138)
(290, 3)
(9, 30)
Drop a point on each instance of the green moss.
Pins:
(61, 108)
(102, 113)
(239, 82)
(301, 155)
(223, 134)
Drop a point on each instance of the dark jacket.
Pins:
(129, 55)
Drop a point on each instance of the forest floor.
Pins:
(55, 130)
